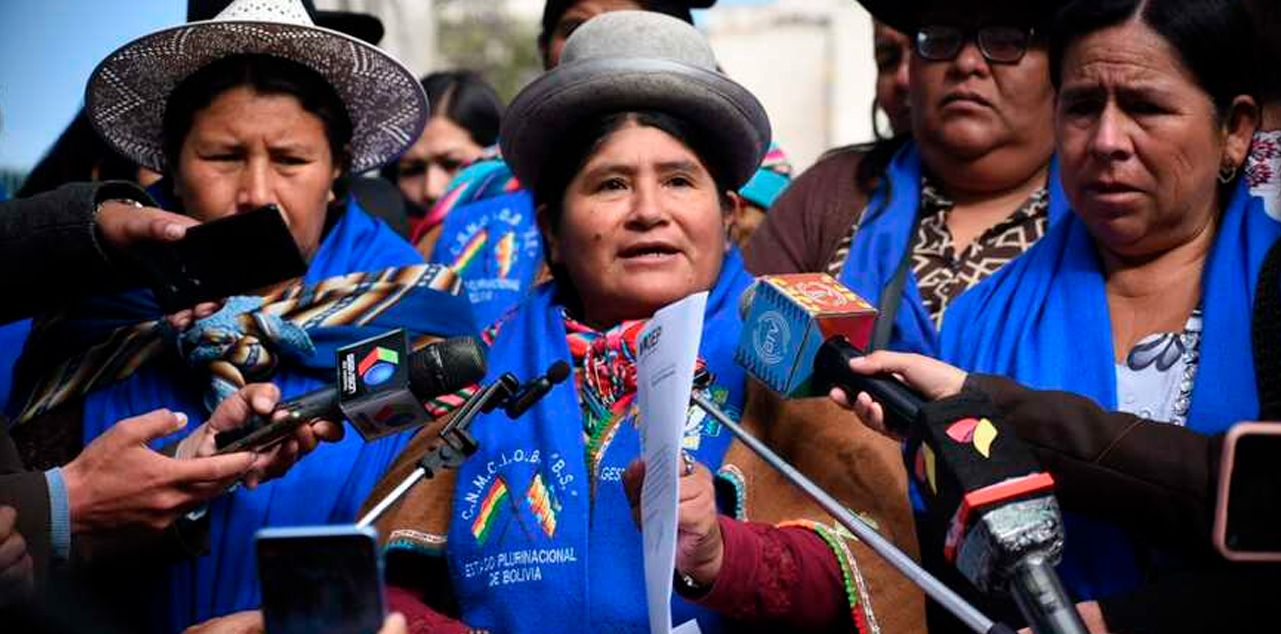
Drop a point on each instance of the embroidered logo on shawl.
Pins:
(542, 501)
(469, 251)
(505, 254)
(497, 496)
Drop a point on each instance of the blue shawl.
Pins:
(525, 533)
(326, 487)
(883, 242)
(494, 245)
(1043, 320)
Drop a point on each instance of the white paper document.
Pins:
(666, 353)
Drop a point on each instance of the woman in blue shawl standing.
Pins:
(1142, 299)
(630, 147)
(255, 107)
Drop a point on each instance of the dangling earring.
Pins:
(1227, 173)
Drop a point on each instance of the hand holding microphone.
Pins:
(802, 336)
(933, 379)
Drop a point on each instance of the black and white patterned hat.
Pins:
(128, 91)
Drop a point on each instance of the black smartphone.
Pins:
(1247, 519)
(228, 256)
(320, 580)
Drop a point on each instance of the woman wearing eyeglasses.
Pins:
(911, 225)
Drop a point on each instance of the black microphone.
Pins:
(900, 404)
(531, 392)
(366, 394)
(1004, 530)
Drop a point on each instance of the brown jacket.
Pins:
(807, 223)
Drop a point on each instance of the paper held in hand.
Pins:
(667, 352)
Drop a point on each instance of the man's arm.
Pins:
(71, 242)
(1153, 478)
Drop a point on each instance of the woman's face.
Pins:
(971, 107)
(641, 226)
(428, 166)
(246, 150)
(1140, 143)
(893, 52)
(574, 17)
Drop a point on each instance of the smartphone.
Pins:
(1247, 518)
(320, 580)
(228, 256)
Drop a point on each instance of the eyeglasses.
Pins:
(1000, 44)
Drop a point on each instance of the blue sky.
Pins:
(48, 48)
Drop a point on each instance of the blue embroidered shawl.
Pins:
(525, 532)
(1043, 320)
(494, 245)
(883, 240)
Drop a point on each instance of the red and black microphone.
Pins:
(1005, 530)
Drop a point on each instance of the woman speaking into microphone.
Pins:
(630, 146)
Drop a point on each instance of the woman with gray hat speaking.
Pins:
(630, 146)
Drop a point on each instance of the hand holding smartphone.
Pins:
(320, 580)
(220, 258)
(1247, 519)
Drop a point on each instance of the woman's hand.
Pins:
(247, 622)
(699, 548)
(1091, 616)
(236, 410)
(934, 379)
(183, 319)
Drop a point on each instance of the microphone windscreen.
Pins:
(558, 372)
(446, 366)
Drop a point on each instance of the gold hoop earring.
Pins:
(1227, 173)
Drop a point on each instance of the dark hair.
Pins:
(266, 75)
(466, 99)
(78, 155)
(1265, 16)
(1212, 38)
(555, 9)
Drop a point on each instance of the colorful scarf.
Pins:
(1043, 320)
(532, 521)
(333, 307)
(883, 242)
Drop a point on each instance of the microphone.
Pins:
(531, 392)
(378, 393)
(787, 318)
(1003, 523)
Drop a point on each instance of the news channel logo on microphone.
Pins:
(788, 318)
(375, 392)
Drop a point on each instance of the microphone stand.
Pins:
(944, 595)
(458, 442)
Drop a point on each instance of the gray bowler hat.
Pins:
(635, 60)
